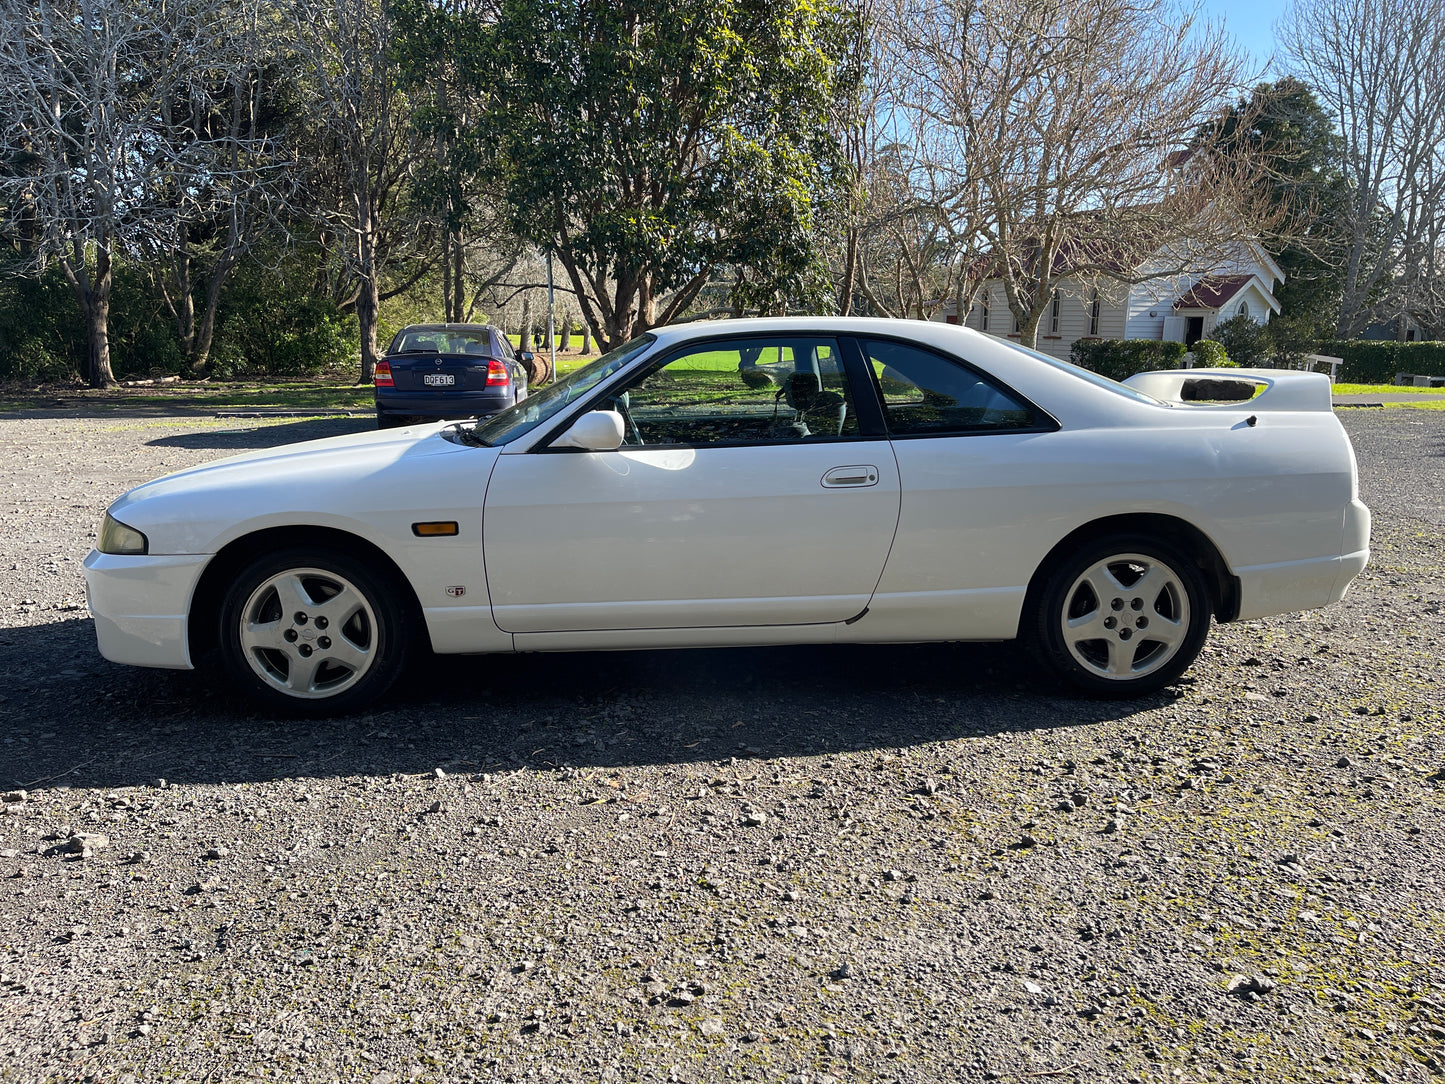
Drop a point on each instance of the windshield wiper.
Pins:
(467, 433)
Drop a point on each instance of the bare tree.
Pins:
(1053, 136)
(905, 236)
(77, 112)
(1380, 68)
(222, 121)
(361, 116)
(124, 127)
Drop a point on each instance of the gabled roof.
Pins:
(1212, 291)
(1216, 291)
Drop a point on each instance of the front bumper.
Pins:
(141, 606)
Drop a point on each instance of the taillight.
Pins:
(497, 375)
(383, 375)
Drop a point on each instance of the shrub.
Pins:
(1245, 342)
(1122, 358)
(1370, 361)
(1208, 354)
(1291, 341)
(291, 336)
(272, 324)
(42, 335)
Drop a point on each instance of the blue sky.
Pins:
(1250, 21)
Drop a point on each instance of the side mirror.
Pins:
(595, 431)
(524, 356)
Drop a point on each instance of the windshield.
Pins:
(535, 410)
(1084, 374)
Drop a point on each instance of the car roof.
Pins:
(448, 327)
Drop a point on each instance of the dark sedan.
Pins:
(435, 371)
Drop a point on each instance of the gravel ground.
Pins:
(803, 865)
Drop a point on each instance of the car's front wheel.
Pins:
(311, 632)
(1123, 615)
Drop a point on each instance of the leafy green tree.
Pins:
(1297, 147)
(649, 145)
(1245, 342)
(449, 91)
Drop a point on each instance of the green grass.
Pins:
(1381, 389)
(1436, 403)
(315, 395)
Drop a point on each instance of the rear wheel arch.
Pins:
(221, 571)
(1182, 535)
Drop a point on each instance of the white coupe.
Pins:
(754, 482)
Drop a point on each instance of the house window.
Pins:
(1094, 312)
(1054, 315)
(983, 311)
(1244, 308)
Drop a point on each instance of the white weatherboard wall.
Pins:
(1140, 310)
(1074, 303)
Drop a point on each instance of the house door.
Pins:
(1195, 331)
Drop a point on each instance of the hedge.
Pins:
(1209, 354)
(1122, 358)
(1374, 361)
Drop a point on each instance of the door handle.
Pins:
(851, 477)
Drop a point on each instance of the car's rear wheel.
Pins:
(389, 421)
(1123, 615)
(307, 632)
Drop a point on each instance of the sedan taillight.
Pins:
(383, 375)
(497, 375)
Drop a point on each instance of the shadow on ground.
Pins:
(247, 434)
(90, 723)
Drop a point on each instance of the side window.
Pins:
(503, 344)
(926, 393)
(742, 392)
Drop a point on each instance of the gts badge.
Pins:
(456, 592)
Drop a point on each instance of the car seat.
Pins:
(813, 407)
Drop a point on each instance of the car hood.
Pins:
(335, 480)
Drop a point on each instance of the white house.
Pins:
(1184, 308)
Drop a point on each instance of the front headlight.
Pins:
(116, 537)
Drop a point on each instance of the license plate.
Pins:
(438, 380)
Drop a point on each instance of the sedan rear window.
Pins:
(442, 341)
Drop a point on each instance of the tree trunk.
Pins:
(206, 329)
(458, 286)
(93, 296)
(183, 304)
(850, 272)
(447, 291)
(368, 302)
(566, 343)
(97, 320)
(1029, 330)
(586, 338)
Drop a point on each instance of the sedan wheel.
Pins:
(1122, 617)
(312, 633)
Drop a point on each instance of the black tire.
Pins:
(1151, 620)
(313, 632)
(389, 421)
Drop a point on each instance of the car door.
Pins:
(746, 493)
(982, 489)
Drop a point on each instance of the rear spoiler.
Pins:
(1284, 389)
